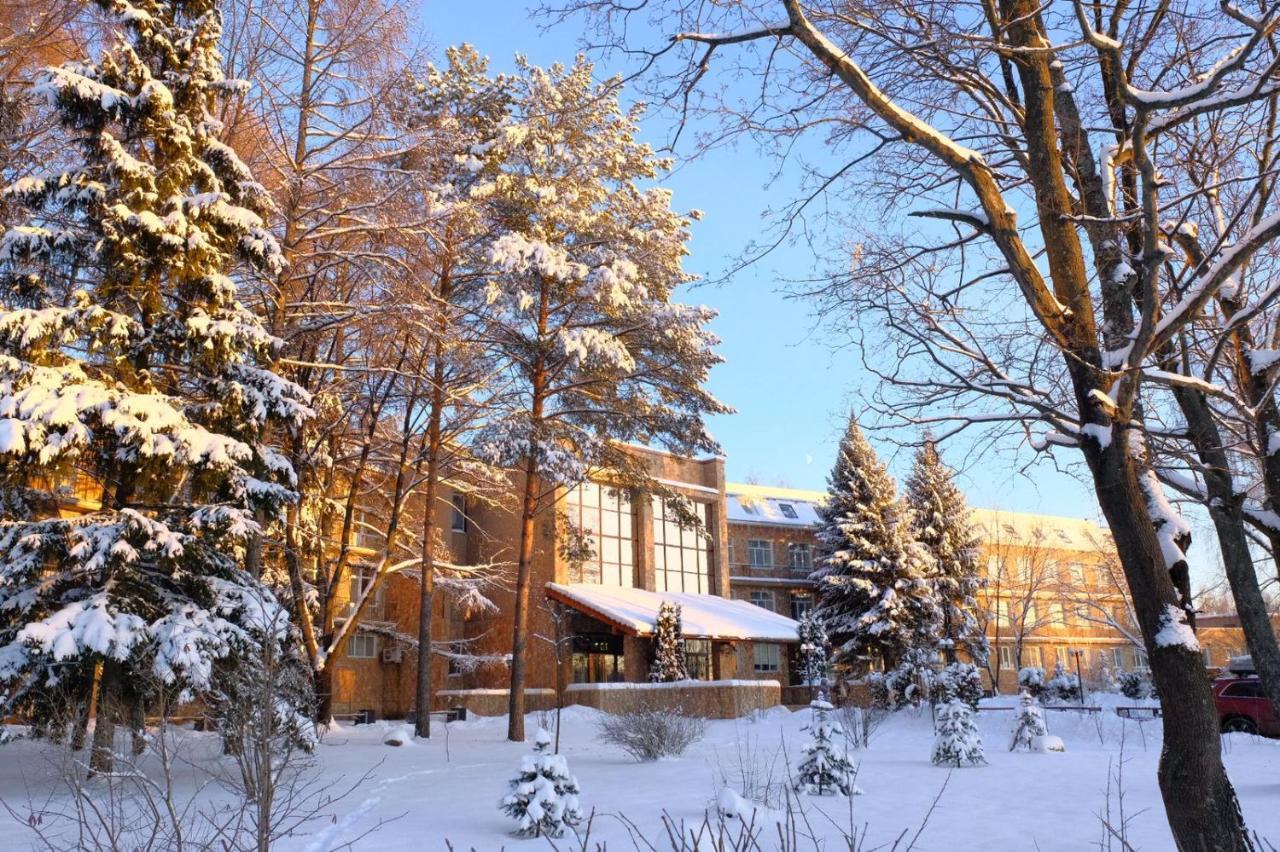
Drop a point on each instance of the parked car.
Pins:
(1242, 707)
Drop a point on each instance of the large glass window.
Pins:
(681, 555)
(604, 516)
(764, 600)
(597, 658)
(697, 658)
(759, 553)
(801, 603)
(800, 556)
(766, 657)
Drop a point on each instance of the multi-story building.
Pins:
(1051, 592)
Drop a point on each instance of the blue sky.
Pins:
(791, 388)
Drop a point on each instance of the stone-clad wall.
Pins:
(711, 699)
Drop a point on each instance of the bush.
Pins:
(1135, 685)
(1063, 686)
(1031, 680)
(651, 732)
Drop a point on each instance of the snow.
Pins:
(446, 788)
(754, 504)
(1174, 630)
(703, 616)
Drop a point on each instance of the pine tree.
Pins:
(668, 644)
(543, 797)
(824, 771)
(1029, 725)
(958, 680)
(940, 522)
(815, 652)
(584, 265)
(126, 357)
(957, 742)
(875, 595)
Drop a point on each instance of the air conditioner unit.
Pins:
(393, 654)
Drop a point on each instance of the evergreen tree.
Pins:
(824, 771)
(126, 357)
(1028, 725)
(875, 595)
(958, 680)
(543, 797)
(668, 643)
(940, 522)
(957, 742)
(814, 651)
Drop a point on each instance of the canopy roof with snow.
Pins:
(634, 612)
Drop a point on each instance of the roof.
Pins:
(635, 611)
(763, 504)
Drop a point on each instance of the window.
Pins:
(768, 658)
(1140, 659)
(788, 511)
(603, 515)
(1079, 575)
(1024, 569)
(1032, 657)
(1244, 689)
(1063, 656)
(681, 555)
(1030, 617)
(759, 553)
(1057, 615)
(697, 658)
(1002, 611)
(362, 577)
(764, 600)
(362, 646)
(459, 513)
(597, 658)
(800, 556)
(801, 603)
(1117, 655)
(1006, 656)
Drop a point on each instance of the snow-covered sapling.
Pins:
(543, 797)
(957, 741)
(1031, 680)
(1029, 726)
(958, 680)
(825, 771)
(668, 642)
(814, 652)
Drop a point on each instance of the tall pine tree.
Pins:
(126, 357)
(940, 522)
(875, 595)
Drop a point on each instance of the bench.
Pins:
(1139, 714)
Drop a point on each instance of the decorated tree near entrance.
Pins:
(825, 771)
(543, 797)
(814, 651)
(668, 645)
(1029, 725)
(875, 594)
(941, 524)
(957, 742)
(126, 356)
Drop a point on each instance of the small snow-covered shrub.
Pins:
(668, 640)
(543, 797)
(1031, 679)
(1029, 725)
(1063, 686)
(958, 680)
(650, 732)
(957, 742)
(1135, 685)
(824, 770)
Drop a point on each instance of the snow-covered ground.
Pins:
(448, 789)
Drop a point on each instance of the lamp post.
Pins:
(1079, 677)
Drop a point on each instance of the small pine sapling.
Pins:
(958, 680)
(668, 641)
(543, 797)
(824, 771)
(1029, 725)
(957, 741)
(815, 651)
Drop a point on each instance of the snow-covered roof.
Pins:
(635, 611)
(766, 504)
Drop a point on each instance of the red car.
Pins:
(1242, 708)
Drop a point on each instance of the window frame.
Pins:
(755, 547)
(766, 666)
(763, 593)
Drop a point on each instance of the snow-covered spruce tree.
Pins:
(126, 358)
(668, 646)
(814, 651)
(875, 593)
(958, 680)
(583, 270)
(940, 522)
(543, 797)
(824, 770)
(956, 741)
(1028, 725)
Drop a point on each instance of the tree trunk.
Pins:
(520, 629)
(102, 757)
(1199, 801)
(324, 694)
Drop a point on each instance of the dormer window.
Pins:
(788, 510)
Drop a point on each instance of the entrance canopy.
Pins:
(634, 612)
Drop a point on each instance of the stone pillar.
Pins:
(642, 536)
